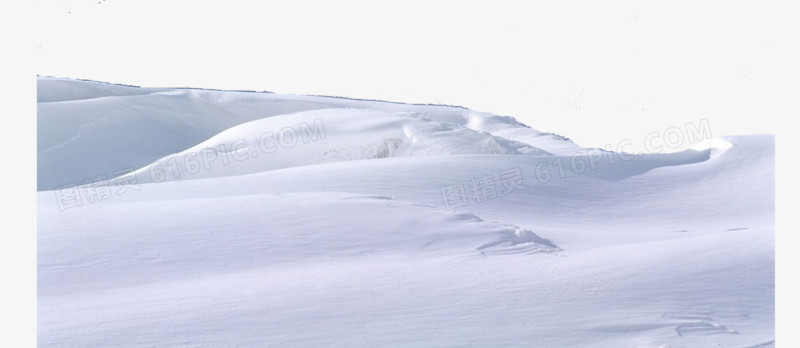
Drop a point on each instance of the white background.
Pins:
(597, 72)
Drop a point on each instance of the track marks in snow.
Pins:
(382, 198)
(702, 328)
(689, 324)
(508, 240)
(726, 230)
(517, 240)
(466, 217)
(768, 344)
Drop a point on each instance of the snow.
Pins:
(140, 125)
(346, 239)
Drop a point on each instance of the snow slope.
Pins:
(140, 125)
(347, 240)
(324, 136)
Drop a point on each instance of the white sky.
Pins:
(593, 71)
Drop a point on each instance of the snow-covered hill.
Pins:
(257, 219)
(137, 126)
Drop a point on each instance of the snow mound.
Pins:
(90, 131)
(715, 146)
(324, 136)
